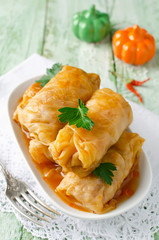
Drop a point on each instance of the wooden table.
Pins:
(44, 26)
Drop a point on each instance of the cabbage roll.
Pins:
(29, 93)
(81, 151)
(92, 192)
(38, 115)
(39, 152)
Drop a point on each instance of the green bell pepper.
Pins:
(91, 25)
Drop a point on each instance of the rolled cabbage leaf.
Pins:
(92, 192)
(81, 151)
(39, 114)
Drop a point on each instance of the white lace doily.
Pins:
(139, 223)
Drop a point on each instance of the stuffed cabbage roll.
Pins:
(93, 192)
(81, 151)
(39, 152)
(39, 114)
(29, 93)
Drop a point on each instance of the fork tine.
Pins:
(24, 195)
(23, 213)
(29, 210)
(41, 202)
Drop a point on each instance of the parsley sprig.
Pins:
(105, 171)
(76, 116)
(51, 72)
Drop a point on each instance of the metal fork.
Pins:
(18, 193)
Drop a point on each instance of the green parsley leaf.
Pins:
(105, 172)
(76, 116)
(51, 72)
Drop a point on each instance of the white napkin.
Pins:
(145, 123)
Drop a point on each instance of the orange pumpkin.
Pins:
(134, 45)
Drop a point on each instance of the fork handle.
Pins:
(5, 172)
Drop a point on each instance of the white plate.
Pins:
(145, 169)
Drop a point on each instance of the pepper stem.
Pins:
(92, 10)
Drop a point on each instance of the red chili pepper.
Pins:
(132, 89)
(138, 83)
(130, 83)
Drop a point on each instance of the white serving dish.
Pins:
(145, 169)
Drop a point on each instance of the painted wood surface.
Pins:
(11, 229)
(61, 45)
(22, 26)
(145, 14)
(44, 26)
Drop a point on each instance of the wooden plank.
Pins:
(61, 45)
(10, 228)
(156, 236)
(22, 27)
(146, 14)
